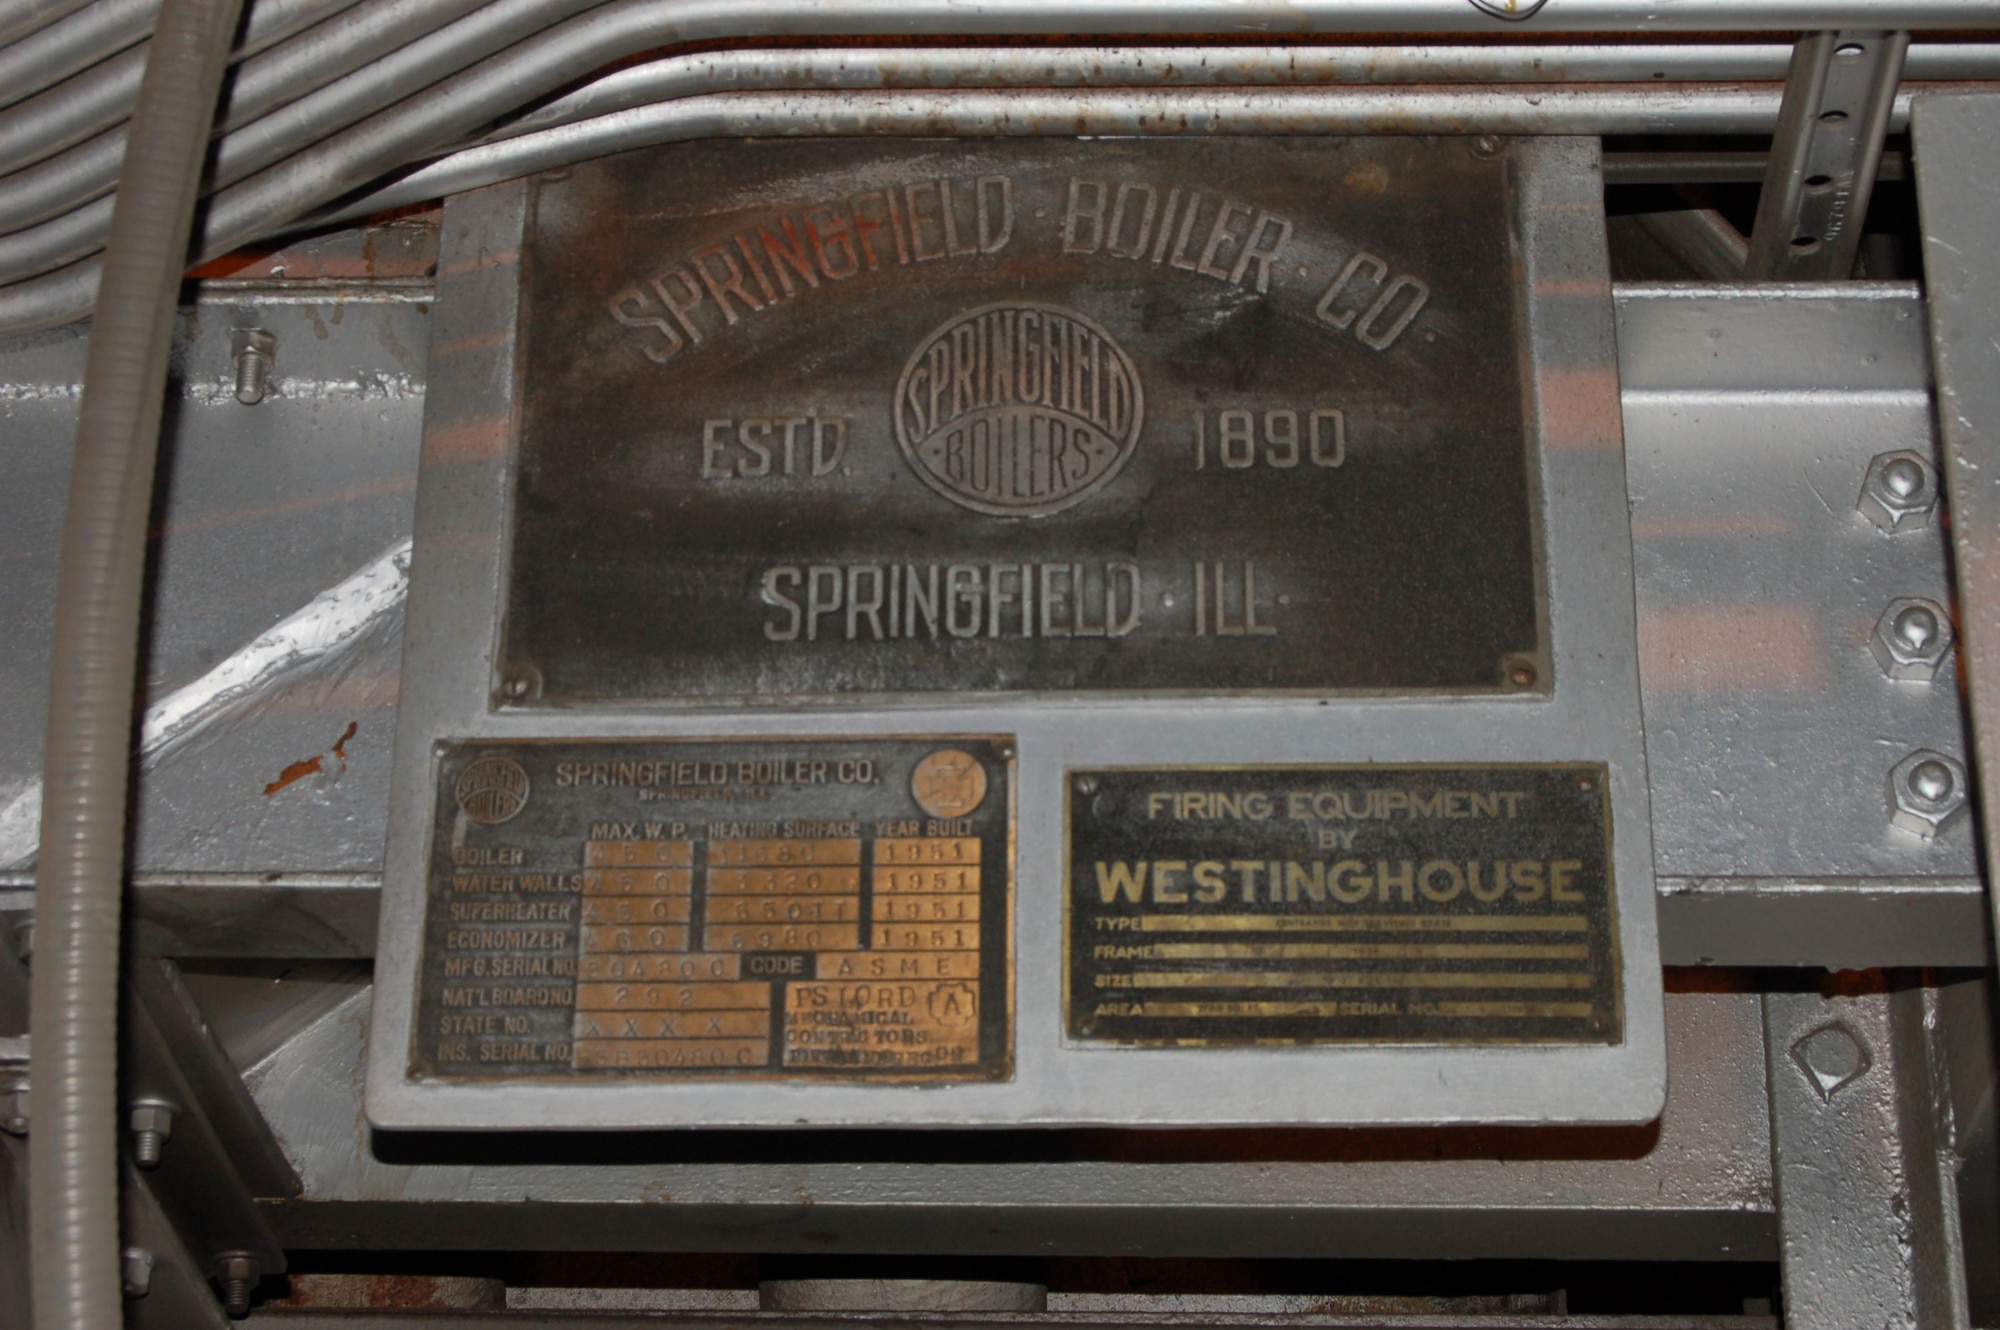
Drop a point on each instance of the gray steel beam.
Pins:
(1695, 1186)
(1750, 414)
(1838, 922)
(1868, 1228)
(387, 1319)
(1958, 193)
(1843, 924)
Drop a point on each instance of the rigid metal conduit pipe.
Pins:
(18, 18)
(564, 53)
(76, 185)
(101, 97)
(77, 42)
(73, 1151)
(573, 49)
(389, 42)
(266, 203)
(1542, 109)
(31, 197)
(1579, 17)
(1205, 66)
(305, 117)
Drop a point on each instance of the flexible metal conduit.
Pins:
(73, 1151)
(101, 96)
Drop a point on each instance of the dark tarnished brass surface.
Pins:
(1370, 904)
(693, 909)
(1224, 415)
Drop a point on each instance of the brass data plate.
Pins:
(1362, 904)
(729, 908)
(855, 418)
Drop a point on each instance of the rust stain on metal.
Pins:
(292, 774)
(312, 766)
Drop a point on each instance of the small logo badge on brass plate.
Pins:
(492, 789)
(1018, 409)
(948, 783)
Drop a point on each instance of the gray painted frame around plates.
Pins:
(1592, 714)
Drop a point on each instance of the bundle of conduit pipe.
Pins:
(118, 116)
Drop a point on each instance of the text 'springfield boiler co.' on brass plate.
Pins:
(1364, 904)
(877, 419)
(720, 909)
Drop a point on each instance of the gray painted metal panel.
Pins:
(1829, 898)
(1591, 715)
(1750, 421)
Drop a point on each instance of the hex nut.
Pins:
(1900, 491)
(1927, 792)
(14, 1105)
(1912, 639)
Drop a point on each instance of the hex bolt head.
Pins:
(254, 349)
(239, 1273)
(1927, 792)
(151, 1122)
(1900, 491)
(1912, 639)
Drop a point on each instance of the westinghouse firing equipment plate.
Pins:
(837, 418)
(834, 909)
(1376, 904)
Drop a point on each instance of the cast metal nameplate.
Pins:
(728, 908)
(1364, 904)
(855, 418)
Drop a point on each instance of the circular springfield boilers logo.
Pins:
(1018, 409)
(491, 789)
